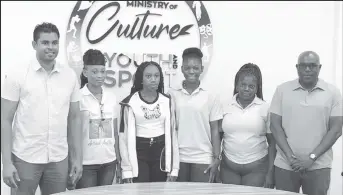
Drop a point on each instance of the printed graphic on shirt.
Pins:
(100, 128)
(151, 114)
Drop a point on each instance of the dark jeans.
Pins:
(149, 152)
(251, 174)
(51, 177)
(97, 175)
(316, 182)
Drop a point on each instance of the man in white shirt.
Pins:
(41, 100)
(197, 114)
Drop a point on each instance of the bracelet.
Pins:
(219, 157)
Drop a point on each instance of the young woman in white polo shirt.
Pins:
(99, 124)
(198, 112)
(148, 142)
(248, 145)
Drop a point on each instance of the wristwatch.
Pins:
(313, 156)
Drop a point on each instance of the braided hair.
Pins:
(250, 69)
(91, 57)
(138, 77)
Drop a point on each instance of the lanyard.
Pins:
(101, 107)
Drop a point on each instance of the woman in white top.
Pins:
(198, 112)
(247, 139)
(148, 144)
(99, 124)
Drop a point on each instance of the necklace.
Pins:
(189, 90)
(148, 98)
(185, 87)
(98, 96)
(239, 102)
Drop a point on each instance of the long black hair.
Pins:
(91, 57)
(250, 69)
(138, 77)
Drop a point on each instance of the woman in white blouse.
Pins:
(248, 145)
(99, 124)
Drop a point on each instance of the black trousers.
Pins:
(149, 152)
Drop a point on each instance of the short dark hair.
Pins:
(192, 51)
(250, 69)
(138, 77)
(45, 27)
(91, 57)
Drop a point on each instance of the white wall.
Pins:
(270, 34)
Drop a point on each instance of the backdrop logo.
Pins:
(150, 22)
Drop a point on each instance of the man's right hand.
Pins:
(128, 180)
(292, 159)
(10, 175)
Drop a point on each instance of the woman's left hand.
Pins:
(118, 176)
(213, 169)
(171, 178)
(269, 182)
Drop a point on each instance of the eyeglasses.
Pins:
(304, 66)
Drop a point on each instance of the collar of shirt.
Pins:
(256, 101)
(85, 92)
(36, 66)
(181, 88)
(320, 85)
